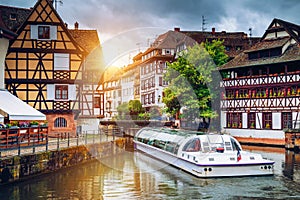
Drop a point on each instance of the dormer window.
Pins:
(13, 16)
(44, 32)
(268, 53)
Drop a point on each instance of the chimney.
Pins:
(213, 30)
(177, 29)
(76, 25)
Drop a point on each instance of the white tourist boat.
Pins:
(203, 155)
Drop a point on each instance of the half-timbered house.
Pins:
(262, 87)
(45, 67)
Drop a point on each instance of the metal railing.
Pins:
(62, 140)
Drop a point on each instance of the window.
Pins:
(251, 120)
(97, 102)
(234, 120)
(13, 16)
(193, 145)
(60, 122)
(286, 120)
(238, 48)
(160, 81)
(44, 32)
(267, 120)
(153, 97)
(61, 92)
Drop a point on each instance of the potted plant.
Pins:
(234, 125)
(14, 124)
(268, 126)
(34, 124)
(252, 125)
(44, 123)
(23, 124)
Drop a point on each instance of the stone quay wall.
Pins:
(23, 167)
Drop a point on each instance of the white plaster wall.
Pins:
(3, 50)
(273, 134)
(223, 120)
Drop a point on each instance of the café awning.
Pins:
(16, 109)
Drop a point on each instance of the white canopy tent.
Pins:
(1, 118)
(15, 109)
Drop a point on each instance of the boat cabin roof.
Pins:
(173, 140)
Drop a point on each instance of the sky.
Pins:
(113, 18)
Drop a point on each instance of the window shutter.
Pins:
(72, 92)
(50, 92)
(53, 32)
(61, 61)
(34, 32)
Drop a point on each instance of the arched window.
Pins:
(60, 122)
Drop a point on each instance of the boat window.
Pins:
(192, 145)
(206, 147)
(235, 145)
(228, 146)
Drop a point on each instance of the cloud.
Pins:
(111, 17)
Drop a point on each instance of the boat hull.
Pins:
(205, 170)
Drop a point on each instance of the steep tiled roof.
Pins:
(169, 39)
(19, 14)
(232, 39)
(241, 60)
(268, 44)
(88, 39)
(292, 52)
(112, 74)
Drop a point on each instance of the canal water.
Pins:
(136, 176)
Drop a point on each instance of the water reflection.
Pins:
(292, 166)
(136, 176)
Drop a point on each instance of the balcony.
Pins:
(288, 102)
(11, 138)
(291, 77)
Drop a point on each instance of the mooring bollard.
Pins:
(58, 141)
(19, 148)
(68, 139)
(47, 142)
(77, 140)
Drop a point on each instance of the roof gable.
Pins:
(279, 44)
(44, 13)
(279, 28)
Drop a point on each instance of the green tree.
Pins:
(123, 110)
(135, 108)
(189, 77)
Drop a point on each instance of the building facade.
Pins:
(154, 65)
(234, 42)
(262, 87)
(45, 65)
